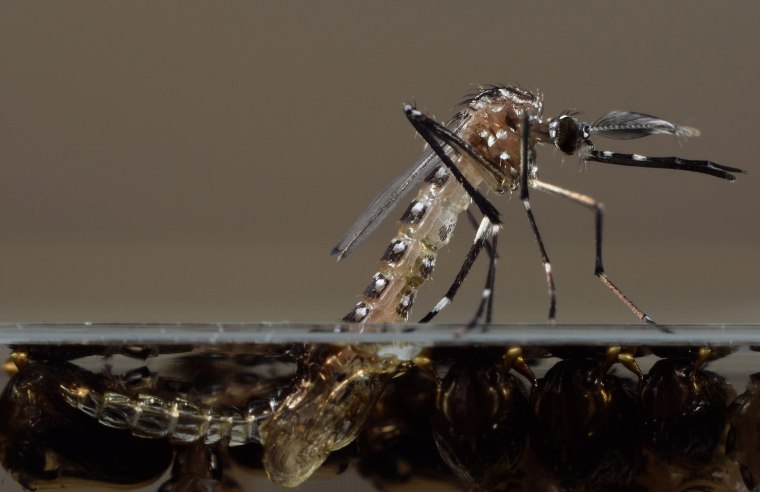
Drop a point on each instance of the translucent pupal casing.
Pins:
(325, 412)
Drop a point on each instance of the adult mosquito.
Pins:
(492, 140)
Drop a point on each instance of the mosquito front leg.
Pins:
(525, 197)
(433, 133)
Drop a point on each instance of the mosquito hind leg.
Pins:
(598, 210)
(486, 298)
(486, 230)
(437, 135)
(475, 223)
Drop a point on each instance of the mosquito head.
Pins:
(568, 133)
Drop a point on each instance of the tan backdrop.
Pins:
(196, 161)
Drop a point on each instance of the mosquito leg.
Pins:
(486, 299)
(487, 296)
(598, 210)
(475, 224)
(525, 197)
(485, 230)
(435, 134)
(492, 270)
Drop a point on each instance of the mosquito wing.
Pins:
(383, 203)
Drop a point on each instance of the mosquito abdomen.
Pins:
(409, 259)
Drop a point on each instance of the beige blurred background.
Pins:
(196, 161)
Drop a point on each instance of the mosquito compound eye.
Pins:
(568, 134)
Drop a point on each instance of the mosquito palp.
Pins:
(636, 160)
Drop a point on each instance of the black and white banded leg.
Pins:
(486, 299)
(486, 230)
(475, 223)
(525, 197)
(598, 210)
(635, 160)
(433, 132)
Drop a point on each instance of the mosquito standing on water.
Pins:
(490, 143)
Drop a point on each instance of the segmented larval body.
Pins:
(331, 402)
(179, 419)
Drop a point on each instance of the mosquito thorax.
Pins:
(567, 133)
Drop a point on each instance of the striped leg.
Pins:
(435, 134)
(485, 231)
(525, 197)
(486, 300)
(475, 223)
(598, 210)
